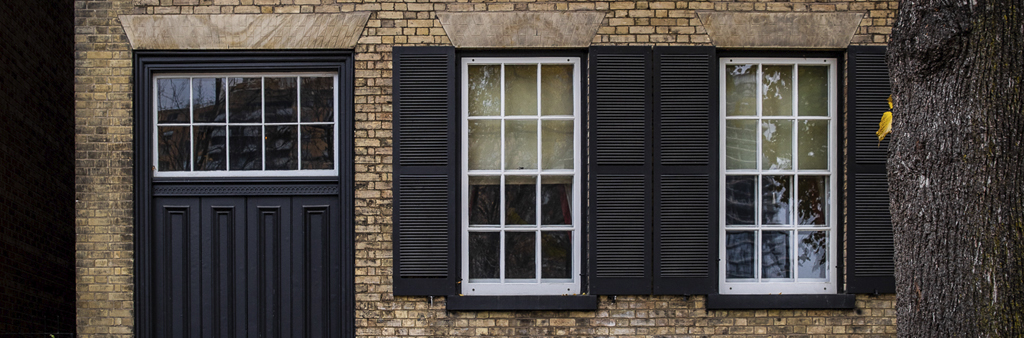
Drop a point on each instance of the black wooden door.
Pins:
(247, 266)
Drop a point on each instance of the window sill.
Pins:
(761, 302)
(522, 303)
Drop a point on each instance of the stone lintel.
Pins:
(520, 29)
(248, 31)
(780, 30)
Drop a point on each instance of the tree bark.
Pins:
(956, 167)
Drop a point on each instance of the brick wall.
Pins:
(104, 163)
(36, 168)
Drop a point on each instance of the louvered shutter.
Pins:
(870, 249)
(620, 194)
(685, 169)
(425, 171)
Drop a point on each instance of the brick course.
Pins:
(104, 153)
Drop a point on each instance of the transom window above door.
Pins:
(214, 125)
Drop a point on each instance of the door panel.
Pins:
(247, 266)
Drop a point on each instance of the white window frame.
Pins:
(793, 285)
(242, 173)
(537, 286)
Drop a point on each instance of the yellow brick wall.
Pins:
(104, 163)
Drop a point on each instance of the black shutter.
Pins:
(871, 267)
(685, 170)
(425, 237)
(620, 197)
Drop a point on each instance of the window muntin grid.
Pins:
(778, 211)
(521, 176)
(246, 125)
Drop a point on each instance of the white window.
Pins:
(520, 176)
(778, 214)
(214, 125)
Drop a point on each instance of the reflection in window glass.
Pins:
(483, 250)
(245, 124)
(521, 84)
(739, 250)
(280, 99)
(778, 226)
(741, 90)
(172, 100)
(247, 147)
(813, 200)
(484, 200)
(775, 261)
(208, 99)
(777, 86)
(484, 90)
(739, 200)
(520, 254)
(173, 143)
(520, 200)
(209, 145)
(775, 199)
(813, 259)
(776, 144)
(556, 254)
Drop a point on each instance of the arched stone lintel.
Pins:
(248, 31)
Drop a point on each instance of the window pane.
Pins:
(775, 200)
(520, 200)
(777, 86)
(520, 144)
(246, 148)
(483, 254)
(484, 200)
(812, 145)
(208, 99)
(557, 144)
(317, 99)
(173, 149)
(209, 147)
(484, 144)
(813, 200)
(282, 153)
(739, 253)
(556, 254)
(776, 144)
(775, 254)
(556, 86)
(245, 99)
(318, 147)
(739, 200)
(280, 99)
(740, 144)
(521, 90)
(812, 90)
(740, 90)
(172, 100)
(556, 200)
(520, 254)
(484, 90)
(813, 257)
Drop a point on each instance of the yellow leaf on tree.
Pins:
(884, 127)
(890, 102)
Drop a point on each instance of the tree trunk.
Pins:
(956, 167)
